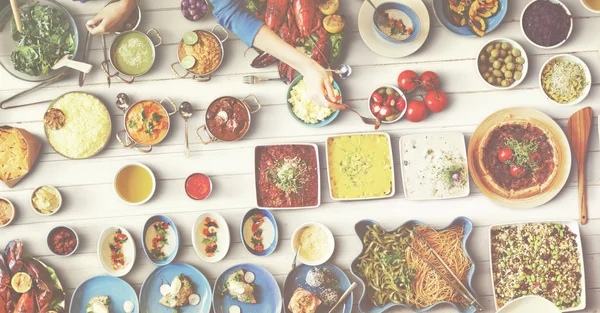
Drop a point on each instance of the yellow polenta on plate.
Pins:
(360, 166)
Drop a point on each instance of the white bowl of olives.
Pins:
(502, 63)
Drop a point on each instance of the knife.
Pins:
(88, 42)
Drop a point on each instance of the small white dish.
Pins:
(529, 304)
(296, 240)
(105, 254)
(514, 44)
(14, 212)
(585, 5)
(558, 44)
(60, 200)
(586, 70)
(423, 157)
(223, 237)
(384, 47)
(151, 175)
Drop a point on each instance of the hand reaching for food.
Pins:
(319, 85)
(111, 17)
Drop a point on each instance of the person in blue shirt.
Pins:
(232, 15)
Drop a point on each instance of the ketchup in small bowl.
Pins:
(198, 186)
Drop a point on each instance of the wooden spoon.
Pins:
(578, 130)
(15, 9)
(66, 61)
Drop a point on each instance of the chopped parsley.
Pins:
(156, 117)
(523, 151)
(132, 124)
(288, 175)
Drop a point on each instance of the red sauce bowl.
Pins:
(62, 241)
(198, 186)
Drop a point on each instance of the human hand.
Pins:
(318, 84)
(111, 18)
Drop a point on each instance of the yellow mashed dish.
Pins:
(360, 166)
(84, 129)
(313, 242)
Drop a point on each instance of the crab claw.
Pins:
(14, 255)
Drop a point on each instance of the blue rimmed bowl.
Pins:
(444, 15)
(407, 12)
(365, 305)
(321, 123)
(173, 240)
(117, 290)
(246, 232)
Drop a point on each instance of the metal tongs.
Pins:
(455, 283)
(30, 90)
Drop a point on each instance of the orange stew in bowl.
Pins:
(147, 122)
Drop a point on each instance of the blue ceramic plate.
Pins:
(324, 122)
(267, 293)
(416, 23)
(117, 290)
(147, 240)
(297, 278)
(275, 233)
(150, 293)
(365, 305)
(442, 13)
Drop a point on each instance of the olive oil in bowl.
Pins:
(135, 183)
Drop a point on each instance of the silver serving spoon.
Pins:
(296, 256)
(343, 297)
(185, 110)
(344, 70)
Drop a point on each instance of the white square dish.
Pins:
(434, 166)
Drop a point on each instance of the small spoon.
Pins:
(66, 61)
(296, 256)
(185, 110)
(344, 296)
(343, 70)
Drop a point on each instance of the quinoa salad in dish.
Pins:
(540, 259)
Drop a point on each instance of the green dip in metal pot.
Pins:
(133, 53)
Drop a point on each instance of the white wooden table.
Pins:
(90, 204)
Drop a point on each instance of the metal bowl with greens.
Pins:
(49, 33)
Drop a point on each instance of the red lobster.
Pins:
(43, 284)
(6, 294)
(26, 304)
(14, 256)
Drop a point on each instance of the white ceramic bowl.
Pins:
(515, 45)
(585, 5)
(14, 212)
(223, 238)
(399, 92)
(330, 242)
(58, 227)
(560, 43)
(60, 200)
(529, 304)
(151, 175)
(104, 253)
(586, 70)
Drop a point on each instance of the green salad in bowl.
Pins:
(49, 33)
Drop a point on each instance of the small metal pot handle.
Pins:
(223, 29)
(104, 66)
(253, 97)
(202, 79)
(135, 146)
(177, 73)
(160, 39)
(172, 103)
(212, 139)
(127, 143)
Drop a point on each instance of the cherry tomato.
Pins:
(416, 111)
(505, 154)
(400, 104)
(375, 109)
(377, 97)
(430, 80)
(516, 171)
(408, 80)
(436, 100)
(385, 111)
(390, 100)
(536, 157)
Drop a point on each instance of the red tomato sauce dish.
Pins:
(287, 176)
(198, 186)
(62, 241)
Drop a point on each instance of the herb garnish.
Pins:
(522, 150)
(156, 117)
(132, 124)
(288, 175)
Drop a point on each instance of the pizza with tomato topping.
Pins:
(518, 159)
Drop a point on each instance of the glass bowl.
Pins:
(8, 44)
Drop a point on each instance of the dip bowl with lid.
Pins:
(132, 54)
(228, 119)
(146, 122)
(196, 46)
(316, 243)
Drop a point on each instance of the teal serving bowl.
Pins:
(324, 122)
(366, 306)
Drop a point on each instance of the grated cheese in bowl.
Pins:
(564, 80)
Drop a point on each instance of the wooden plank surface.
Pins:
(91, 205)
